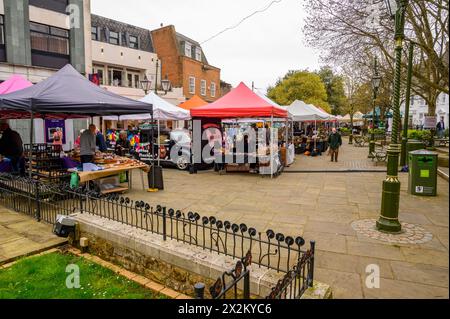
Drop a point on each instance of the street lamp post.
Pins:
(404, 155)
(390, 202)
(376, 82)
(146, 85)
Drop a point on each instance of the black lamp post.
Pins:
(404, 155)
(390, 202)
(146, 85)
(166, 85)
(376, 82)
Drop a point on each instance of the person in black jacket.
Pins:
(123, 146)
(11, 145)
(335, 142)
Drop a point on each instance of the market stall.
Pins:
(162, 111)
(242, 103)
(12, 84)
(67, 94)
(309, 140)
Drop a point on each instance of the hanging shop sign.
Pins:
(50, 128)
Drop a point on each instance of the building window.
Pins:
(188, 49)
(133, 79)
(2, 40)
(2, 31)
(198, 54)
(137, 81)
(49, 39)
(191, 85)
(54, 5)
(114, 37)
(115, 77)
(94, 33)
(134, 44)
(213, 89)
(203, 87)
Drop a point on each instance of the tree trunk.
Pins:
(431, 101)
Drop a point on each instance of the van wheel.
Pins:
(182, 162)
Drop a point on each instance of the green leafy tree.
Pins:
(334, 84)
(300, 85)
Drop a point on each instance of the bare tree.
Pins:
(352, 32)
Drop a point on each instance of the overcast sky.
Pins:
(261, 49)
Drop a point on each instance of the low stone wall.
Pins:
(174, 264)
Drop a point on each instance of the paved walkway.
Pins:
(351, 158)
(21, 235)
(322, 207)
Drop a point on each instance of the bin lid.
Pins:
(424, 152)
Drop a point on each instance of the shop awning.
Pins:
(193, 102)
(68, 92)
(13, 84)
(162, 110)
(241, 102)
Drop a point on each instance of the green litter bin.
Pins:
(413, 145)
(423, 173)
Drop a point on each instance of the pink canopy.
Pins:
(241, 102)
(14, 83)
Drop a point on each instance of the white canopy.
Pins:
(162, 110)
(300, 112)
(357, 117)
(329, 117)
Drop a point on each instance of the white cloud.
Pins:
(261, 49)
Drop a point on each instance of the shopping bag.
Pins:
(74, 180)
(123, 177)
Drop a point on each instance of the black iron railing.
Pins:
(45, 201)
(297, 280)
(229, 281)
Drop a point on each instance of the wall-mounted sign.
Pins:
(429, 122)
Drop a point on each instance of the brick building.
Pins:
(185, 65)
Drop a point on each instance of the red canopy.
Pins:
(241, 102)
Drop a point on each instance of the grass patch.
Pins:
(44, 277)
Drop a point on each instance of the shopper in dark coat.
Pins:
(335, 142)
(11, 146)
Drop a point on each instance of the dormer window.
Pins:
(188, 49)
(198, 54)
(134, 42)
(114, 37)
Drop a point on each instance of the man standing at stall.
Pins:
(87, 145)
(123, 146)
(11, 146)
(335, 142)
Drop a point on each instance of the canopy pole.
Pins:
(286, 130)
(159, 141)
(152, 136)
(30, 162)
(270, 145)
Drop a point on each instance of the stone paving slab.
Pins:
(21, 235)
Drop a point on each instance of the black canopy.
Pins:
(68, 92)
